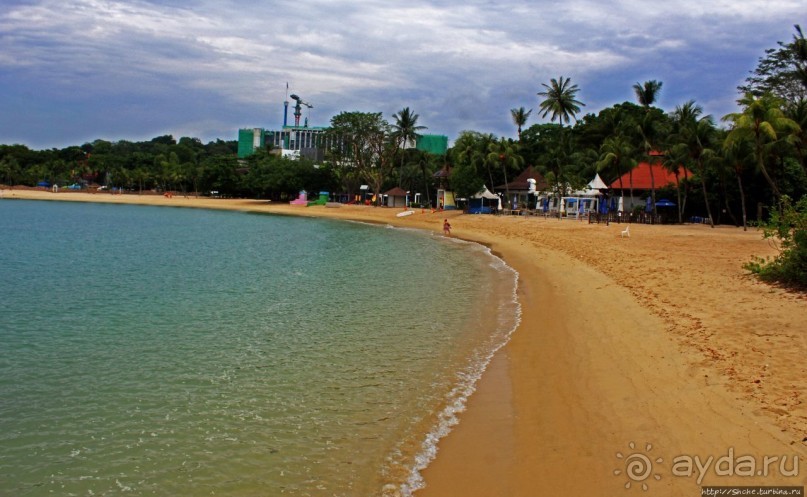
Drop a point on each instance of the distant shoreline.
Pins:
(659, 339)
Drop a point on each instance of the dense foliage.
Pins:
(159, 164)
(788, 228)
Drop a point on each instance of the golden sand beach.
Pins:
(658, 348)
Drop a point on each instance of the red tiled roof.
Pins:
(641, 177)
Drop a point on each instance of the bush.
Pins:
(787, 227)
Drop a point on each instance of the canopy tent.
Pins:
(481, 196)
(597, 184)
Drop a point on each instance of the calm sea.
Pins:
(160, 351)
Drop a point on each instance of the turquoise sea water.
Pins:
(158, 351)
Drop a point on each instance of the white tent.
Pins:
(592, 189)
(485, 193)
(597, 184)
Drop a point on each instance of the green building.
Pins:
(304, 141)
(249, 140)
(433, 144)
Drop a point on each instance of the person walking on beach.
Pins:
(446, 228)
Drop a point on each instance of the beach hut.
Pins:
(395, 197)
(525, 189)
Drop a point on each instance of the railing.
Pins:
(627, 217)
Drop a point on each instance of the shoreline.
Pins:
(658, 339)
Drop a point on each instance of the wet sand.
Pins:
(660, 339)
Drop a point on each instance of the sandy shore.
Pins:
(660, 339)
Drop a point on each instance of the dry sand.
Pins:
(660, 340)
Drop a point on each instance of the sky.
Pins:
(73, 71)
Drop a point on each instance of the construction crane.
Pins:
(298, 109)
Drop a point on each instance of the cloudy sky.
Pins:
(72, 71)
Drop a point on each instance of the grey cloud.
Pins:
(459, 66)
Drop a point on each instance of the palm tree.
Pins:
(472, 148)
(736, 156)
(559, 100)
(505, 153)
(617, 151)
(520, 117)
(405, 130)
(696, 135)
(763, 123)
(646, 95)
(797, 111)
(649, 131)
(676, 155)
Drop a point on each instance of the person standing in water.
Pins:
(446, 227)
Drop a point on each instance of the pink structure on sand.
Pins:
(302, 199)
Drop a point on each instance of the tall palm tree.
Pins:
(505, 153)
(646, 95)
(696, 134)
(649, 136)
(676, 155)
(520, 117)
(736, 156)
(559, 100)
(763, 123)
(405, 130)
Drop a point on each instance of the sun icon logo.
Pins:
(638, 466)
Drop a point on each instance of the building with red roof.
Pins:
(640, 181)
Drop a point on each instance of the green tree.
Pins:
(10, 170)
(647, 93)
(470, 153)
(648, 127)
(559, 99)
(617, 152)
(739, 156)
(787, 227)
(363, 140)
(505, 154)
(695, 137)
(763, 123)
(520, 117)
(782, 71)
(797, 112)
(405, 131)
